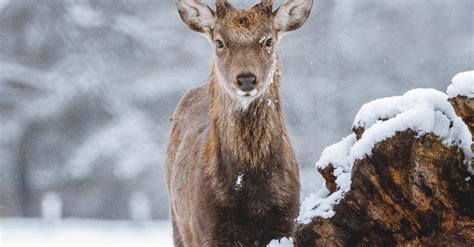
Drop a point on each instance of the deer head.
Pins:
(244, 40)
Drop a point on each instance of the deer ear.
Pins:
(198, 16)
(292, 15)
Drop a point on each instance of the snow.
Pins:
(85, 16)
(336, 154)
(84, 232)
(284, 242)
(272, 70)
(80, 232)
(271, 105)
(463, 84)
(239, 180)
(321, 204)
(421, 110)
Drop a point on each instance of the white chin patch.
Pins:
(247, 94)
(246, 98)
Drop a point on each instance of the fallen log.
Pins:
(402, 178)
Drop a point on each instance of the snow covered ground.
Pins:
(98, 233)
(79, 232)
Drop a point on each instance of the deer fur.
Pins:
(231, 173)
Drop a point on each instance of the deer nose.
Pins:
(247, 82)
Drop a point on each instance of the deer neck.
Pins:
(247, 136)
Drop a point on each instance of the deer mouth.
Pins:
(247, 94)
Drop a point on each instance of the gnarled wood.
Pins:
(464, 108)
(412, 190)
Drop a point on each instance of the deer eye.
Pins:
(219, 44)
(269, 43)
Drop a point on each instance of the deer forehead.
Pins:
(244, 27)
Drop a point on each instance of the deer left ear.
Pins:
(198, 16)
(292, 15)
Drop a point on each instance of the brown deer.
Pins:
(231, 173)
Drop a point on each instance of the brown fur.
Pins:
(231, 172)
(209, 148)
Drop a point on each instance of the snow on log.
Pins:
(463, 85)
(402, 178)
(461, 96)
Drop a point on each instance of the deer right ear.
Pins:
(197, 15)
(292, 15)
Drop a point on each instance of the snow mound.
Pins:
(463, 85)
(421, 110)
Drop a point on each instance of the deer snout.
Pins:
(247, 82)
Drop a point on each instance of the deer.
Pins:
(231, 173)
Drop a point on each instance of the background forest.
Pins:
(87, 89)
